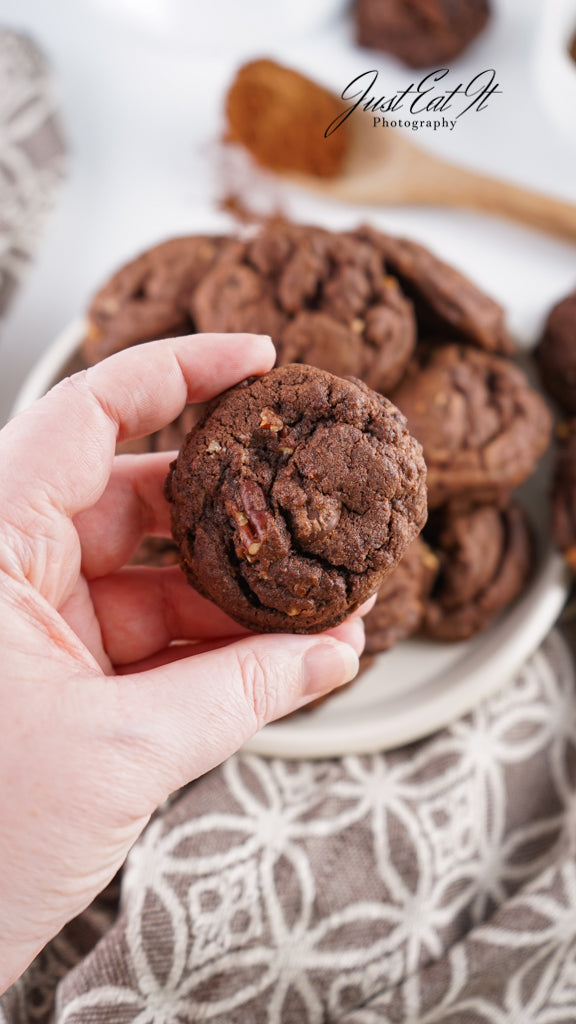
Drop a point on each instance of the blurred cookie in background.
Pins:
(482, 426)
(149, 297)
(564, 493)
(401, 599)
(446, 301)
(420, 33)
(556, 353)
(485, 559)
(324, 297)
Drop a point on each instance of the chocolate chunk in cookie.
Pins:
(556, 353)
(325, 298)
(149, 297)
(482, 426)
(485, 558)
(447, 303)
(293, 498)
(420, 33)
(401, 599)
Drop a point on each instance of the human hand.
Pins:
(103, 719)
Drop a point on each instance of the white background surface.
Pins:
(142, 116)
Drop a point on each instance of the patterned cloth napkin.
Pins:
(32, 155)
(432, 885)
(435, 883)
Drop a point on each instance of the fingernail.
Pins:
(265, 337)
(356, 635)
(367, 606)
(350, 632)
(328, 664)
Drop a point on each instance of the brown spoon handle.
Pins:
(443, 184)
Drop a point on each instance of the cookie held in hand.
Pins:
(293, 498)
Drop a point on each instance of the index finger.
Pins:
(61, 449)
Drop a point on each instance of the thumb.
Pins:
(193, 713)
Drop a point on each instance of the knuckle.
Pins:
(258, 686)
(72, 384)
(72, 389)
(80, 388)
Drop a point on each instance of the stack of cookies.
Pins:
(361, 304)
(556, 359)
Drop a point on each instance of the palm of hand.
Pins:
(104, 716)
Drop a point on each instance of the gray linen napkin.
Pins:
(32, 155)
(435, 883)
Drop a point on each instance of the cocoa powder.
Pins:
(281, 116)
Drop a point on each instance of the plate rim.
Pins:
(36, 383)
(465, 695)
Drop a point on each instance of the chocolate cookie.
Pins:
(420, 32)
(564, 494)
(401, 599)
(485, 558)
(481, 425)
(446, 302)
(293, 497)
(556, 353)
(149, 297)
(325, 298)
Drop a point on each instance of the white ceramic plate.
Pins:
(418, 686)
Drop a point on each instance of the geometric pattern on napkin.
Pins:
(431, 884)
(31, 155)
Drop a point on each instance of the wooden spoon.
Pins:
(383, 169)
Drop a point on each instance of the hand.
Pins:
(102, 717)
